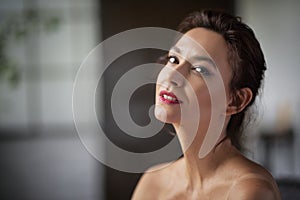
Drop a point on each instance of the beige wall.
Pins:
(277, 27)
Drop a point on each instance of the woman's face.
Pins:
(188, 73)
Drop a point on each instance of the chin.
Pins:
(165, 116)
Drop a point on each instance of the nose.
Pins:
(175, 77)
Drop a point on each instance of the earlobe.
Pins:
(239, 101)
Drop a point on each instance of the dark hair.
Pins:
(245, 57)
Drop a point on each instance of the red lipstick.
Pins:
(168, 97)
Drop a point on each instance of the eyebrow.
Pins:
(197, 58)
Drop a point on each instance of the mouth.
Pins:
(168, 97)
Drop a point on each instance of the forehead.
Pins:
(204, 41)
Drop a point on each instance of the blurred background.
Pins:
(42, 44)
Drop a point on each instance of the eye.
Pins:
(173, 60)
(202, 70)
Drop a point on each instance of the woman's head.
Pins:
(244, 56)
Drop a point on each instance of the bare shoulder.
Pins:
(150, 183)
(253, 183)
(254, 188)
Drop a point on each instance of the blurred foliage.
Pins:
(18, 27)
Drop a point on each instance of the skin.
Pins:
(224, 173)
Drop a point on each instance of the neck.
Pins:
(199, 170)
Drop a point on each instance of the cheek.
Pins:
(226, 74)
(201, 90)
(210, 96)
(156, 95)
(199, 96)
(204, 99)
(156, 89)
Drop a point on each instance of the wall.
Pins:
(41, 154)
(276, 24)
(47, 61)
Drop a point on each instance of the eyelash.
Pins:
(204, 70)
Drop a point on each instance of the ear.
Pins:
(239, 100)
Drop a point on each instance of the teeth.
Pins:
(169, 97)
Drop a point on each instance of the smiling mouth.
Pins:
(168, 97)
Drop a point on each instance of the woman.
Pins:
(223, 172)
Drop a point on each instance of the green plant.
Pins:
(18, 27)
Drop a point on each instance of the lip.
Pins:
(174, 99)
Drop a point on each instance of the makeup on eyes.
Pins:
(174, 58)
